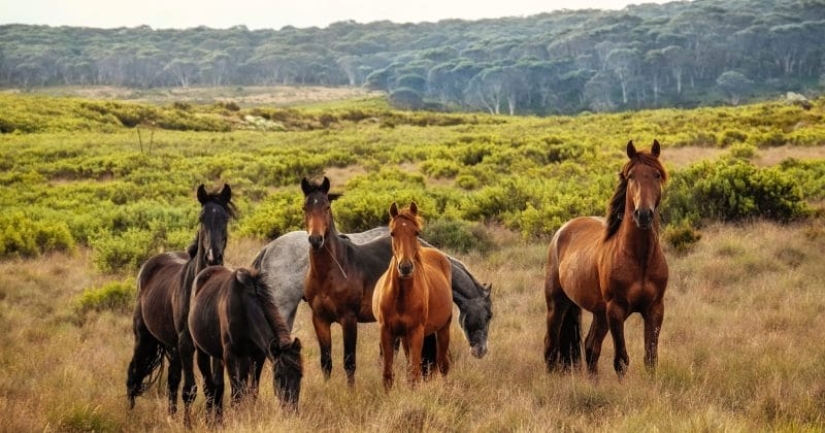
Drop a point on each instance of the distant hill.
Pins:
(678, 54)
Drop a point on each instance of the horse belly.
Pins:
(579, 279)
(157, 316)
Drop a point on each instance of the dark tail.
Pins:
(147, 357)
(570, 339)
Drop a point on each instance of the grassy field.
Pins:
(741, 347)
(741, 350)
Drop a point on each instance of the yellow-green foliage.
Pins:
(118, 296)
(76, 171)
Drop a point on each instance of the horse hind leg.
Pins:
(173, 381)
(594, 339)
(562, 342)
(443, 349)
(186, 351)
(350, 331)
(570, 340)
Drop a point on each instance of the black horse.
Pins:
(235, 325)
(164, 283)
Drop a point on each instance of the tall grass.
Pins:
(741, 350)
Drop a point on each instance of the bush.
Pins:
(26, 237)
(458, 236)
(681, 237)
(117, 296)
(732, 190)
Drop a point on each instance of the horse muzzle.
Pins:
(643, 218)
(478, 351)
(405, 269)
(316, 241)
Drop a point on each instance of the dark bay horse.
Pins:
(341, 277)
(285, 262)
(413, 298)
(164, 285)
(612, 268)
(236, 326)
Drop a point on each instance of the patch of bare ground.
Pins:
(683, 156)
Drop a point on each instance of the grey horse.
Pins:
(285, 262)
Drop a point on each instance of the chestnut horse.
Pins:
(236, 326)
(341, 277)
(612, 268)
(164, 285)
(413, 298)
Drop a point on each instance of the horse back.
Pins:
(573, 261)
(157, 283)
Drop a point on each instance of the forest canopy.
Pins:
(678, 54)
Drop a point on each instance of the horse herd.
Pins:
(192, 308)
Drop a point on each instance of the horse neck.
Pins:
(331, 255)
(642, 244)
(194, 265)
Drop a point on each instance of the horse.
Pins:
(612, 267)
(236, 326)
(285, 262)
(413, 297)
(339, 283)
(164, 285)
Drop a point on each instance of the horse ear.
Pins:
(631, 149)
(489, 289)
(393, 210)
(325, 185)
(296, 344)
(226, 193)
(656, 149)
(305, 186)
(202, 195)
(413, 208)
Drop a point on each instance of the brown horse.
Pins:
(413, 298)
(164, 284)
(340, 279)
(612, 268)
(235, 325)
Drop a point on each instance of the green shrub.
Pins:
(117, 296)
(732, 190)
(681, 237)
(276, 215)
(459, 236)
(25, 236)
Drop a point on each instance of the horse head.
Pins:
(644, 176)
(405, 226)
(317, 211)
(288, 371)
(216, 210)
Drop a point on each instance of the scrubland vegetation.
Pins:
(90, 189)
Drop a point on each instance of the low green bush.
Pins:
(117, 296)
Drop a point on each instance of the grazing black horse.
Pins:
(235, 325)
(164, 287)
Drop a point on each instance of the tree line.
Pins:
(678, 54)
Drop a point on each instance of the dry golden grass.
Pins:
(741, 350)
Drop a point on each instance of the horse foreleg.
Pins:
(350, 330)
(415, 337)
(443, 349)
(616, 315)
(322, 333)
(653, 318)
(387, 342)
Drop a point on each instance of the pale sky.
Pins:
(274, 14)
